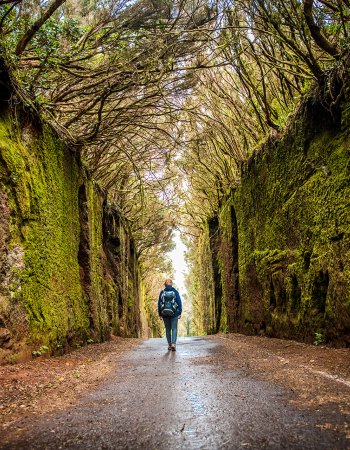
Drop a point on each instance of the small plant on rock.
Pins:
(42, 350)
(319, 338)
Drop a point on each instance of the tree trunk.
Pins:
(315, 31)
(22, 44)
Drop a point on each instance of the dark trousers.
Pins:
(171, 329)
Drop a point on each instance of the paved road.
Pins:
(157, 399)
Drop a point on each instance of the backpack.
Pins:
(168, 305)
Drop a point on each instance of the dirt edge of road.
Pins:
(46, 384)
(317, 376)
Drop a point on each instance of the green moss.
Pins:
(293, 232)
(69, 287)
(42, 183)
(294, 221)
(202, 288)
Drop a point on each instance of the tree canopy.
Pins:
(165, 99)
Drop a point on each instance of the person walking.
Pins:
(170, 310)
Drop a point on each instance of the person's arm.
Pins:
(159, 302)
(179, 302)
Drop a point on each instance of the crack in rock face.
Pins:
(5, 336)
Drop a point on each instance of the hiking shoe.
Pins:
(173, 347)
(170, 347)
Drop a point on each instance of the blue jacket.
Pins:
(178, 311)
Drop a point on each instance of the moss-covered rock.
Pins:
(202, 287)
(284, 233)
(294, 235)
(40, 177)
(69, 272)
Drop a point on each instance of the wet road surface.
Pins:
(156, 399)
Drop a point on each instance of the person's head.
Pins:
(168, 282)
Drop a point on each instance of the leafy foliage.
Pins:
(166, 99)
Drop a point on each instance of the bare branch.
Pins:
(315, 31)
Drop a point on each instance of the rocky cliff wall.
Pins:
(283, 236)
(68, 269)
